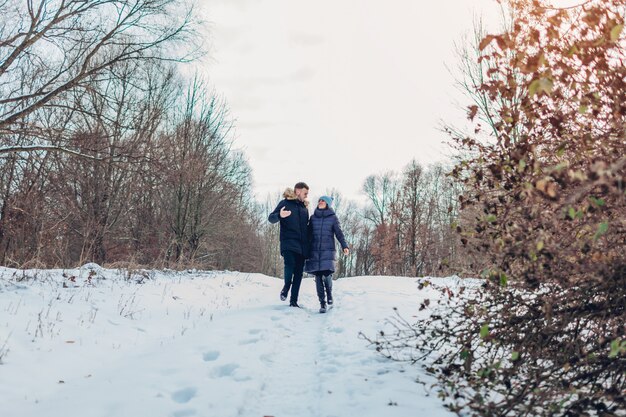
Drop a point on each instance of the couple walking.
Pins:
(307, 243)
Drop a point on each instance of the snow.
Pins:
(99, 342)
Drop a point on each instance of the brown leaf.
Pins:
(472, 110)
(547, 187)
(486, 41)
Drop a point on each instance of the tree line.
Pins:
(107, 153)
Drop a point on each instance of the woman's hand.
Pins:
(346, 251)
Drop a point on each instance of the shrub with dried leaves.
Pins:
(547, 333)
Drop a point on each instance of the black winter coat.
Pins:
(294, 228)
(323, 228)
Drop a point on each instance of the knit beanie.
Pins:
(327, 199)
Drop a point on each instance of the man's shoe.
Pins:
(322, 309)
(330, 301)
(292, 304)
(283, 296)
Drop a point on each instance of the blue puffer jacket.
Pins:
(323, 228)
(293, 229)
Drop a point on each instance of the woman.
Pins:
(323, 228)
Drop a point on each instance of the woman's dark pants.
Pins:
(324, 284)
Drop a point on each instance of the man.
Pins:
(293, 215)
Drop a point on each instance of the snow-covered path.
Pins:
(202, 345)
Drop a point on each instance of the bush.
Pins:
(546, 334)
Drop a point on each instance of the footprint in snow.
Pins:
(184, 413)
(249, 341)
(330, 370)
(267, 358)
(184, 395)
(336, 329)
(255, 331)
(332, 362)
(210, 356)
(224, 370)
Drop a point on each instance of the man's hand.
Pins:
(346, 251)
(284, 213)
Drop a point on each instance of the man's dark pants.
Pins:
(294, 267)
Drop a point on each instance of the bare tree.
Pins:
(381, 191)
(208, 182)
(117, 116)
(411, 219)
(52, 50)
(473, 70)
(271, 262)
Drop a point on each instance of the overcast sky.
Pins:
(331, 91)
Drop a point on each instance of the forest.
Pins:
(111, 153)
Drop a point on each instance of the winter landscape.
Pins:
(96, 342)
(275, 208)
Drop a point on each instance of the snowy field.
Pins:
(94, 342)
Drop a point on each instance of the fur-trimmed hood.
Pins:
(290, 194)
